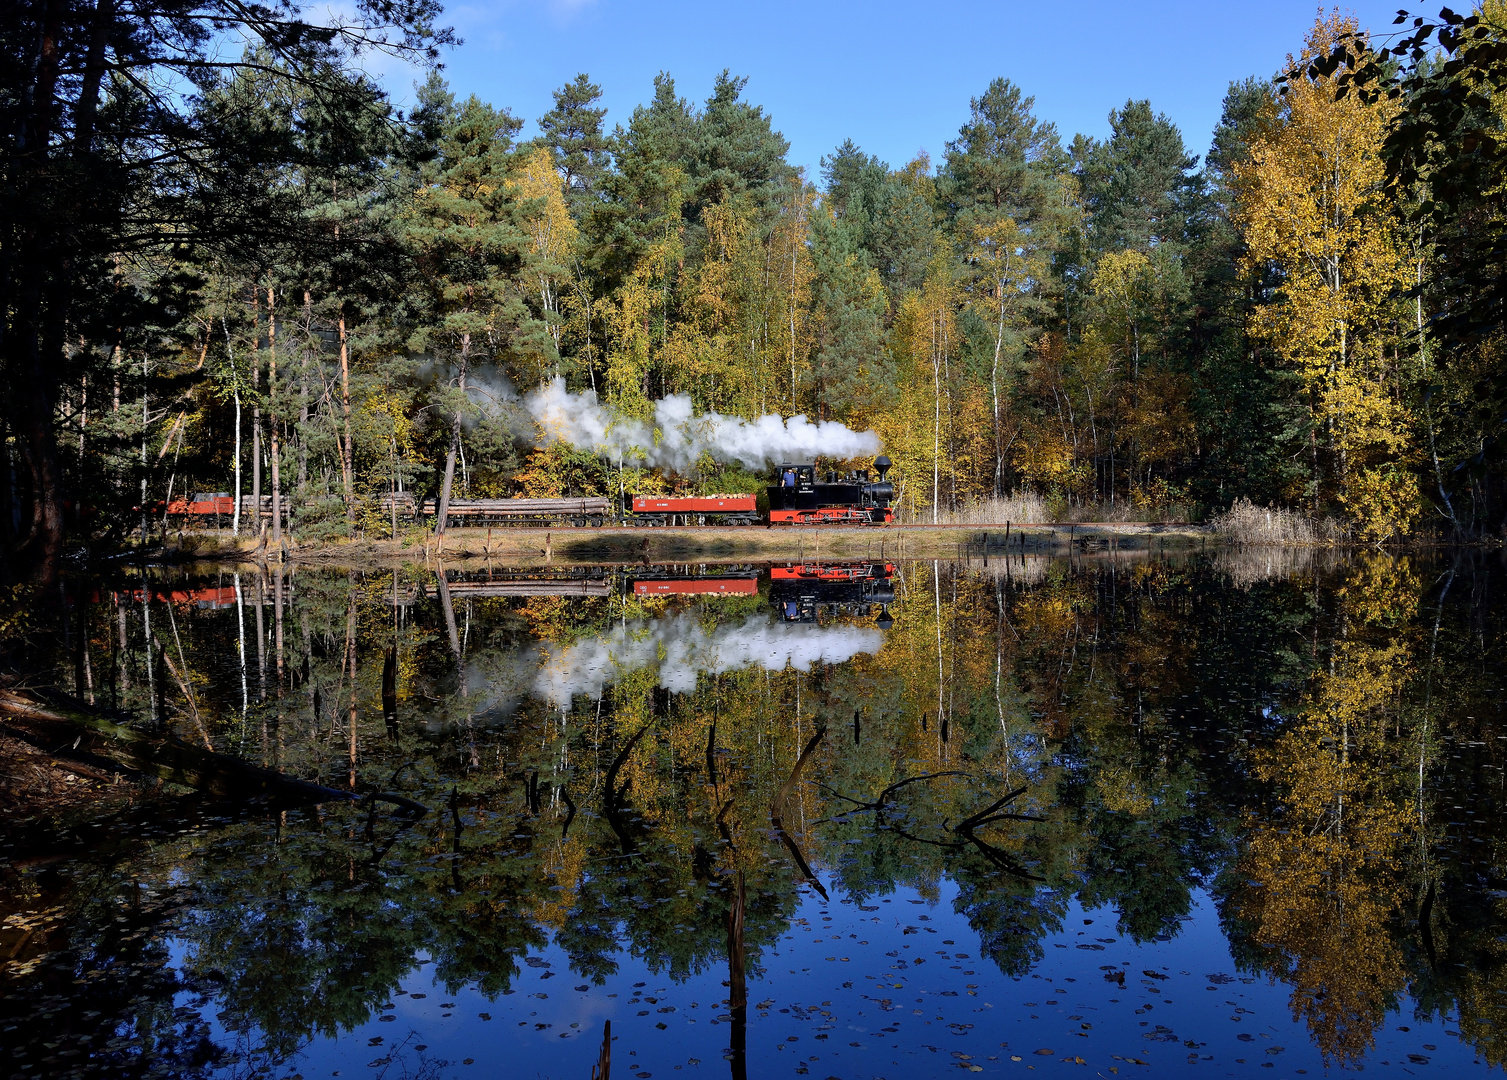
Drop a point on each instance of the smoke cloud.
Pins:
(677, 437)
(680, 648)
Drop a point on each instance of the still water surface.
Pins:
(1105, 816)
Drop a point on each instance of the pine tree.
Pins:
(1137, 183)
(573, 130)
(1004, 162)
(472, 257)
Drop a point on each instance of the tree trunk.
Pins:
(256, 412)
(999, 343)
(347, 457)
(936, 438)
(274, 454)
(444, 507)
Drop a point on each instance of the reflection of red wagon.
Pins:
(683, 580)
(210, 597)
(697, 587)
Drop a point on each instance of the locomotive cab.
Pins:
(794, 488)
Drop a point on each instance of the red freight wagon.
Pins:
(203, 506)
(693, 510)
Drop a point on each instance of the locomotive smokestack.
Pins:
(883, 464)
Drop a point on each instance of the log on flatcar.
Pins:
(578, 511)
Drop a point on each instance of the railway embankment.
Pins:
(528, 546)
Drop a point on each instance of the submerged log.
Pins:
(175, 761)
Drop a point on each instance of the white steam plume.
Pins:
(680, 648)
(677, 437)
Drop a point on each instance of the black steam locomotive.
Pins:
(798, 497)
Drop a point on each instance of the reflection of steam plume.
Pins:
(677, 437)
(681, 649)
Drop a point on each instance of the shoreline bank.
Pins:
(676, 543)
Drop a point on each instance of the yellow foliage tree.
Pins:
(1329, 872)
(551, 230)
(1311, 205)
(1124, 284)
(925, 337)
(790, 276)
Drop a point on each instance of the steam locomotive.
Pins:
(797, 497)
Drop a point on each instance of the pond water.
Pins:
(1109, 815)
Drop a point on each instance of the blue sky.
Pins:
(896, 78)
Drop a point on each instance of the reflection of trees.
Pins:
(1335, 887)
(1148, 715)
(1325, 869)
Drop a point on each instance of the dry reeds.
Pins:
(1246, 523)
(1023, 509)
(1028, 508)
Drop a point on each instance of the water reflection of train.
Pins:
(674, 580)
(798, 592)
(802, 592)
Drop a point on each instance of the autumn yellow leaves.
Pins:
(1318, 221)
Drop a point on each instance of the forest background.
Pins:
(256, 274)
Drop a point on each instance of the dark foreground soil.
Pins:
(36, 783)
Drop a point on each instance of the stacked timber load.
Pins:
(489, 590)
(251, 508)
(523, 507)
(577, 510)
(405, 502)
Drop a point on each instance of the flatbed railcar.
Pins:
(579, 511)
